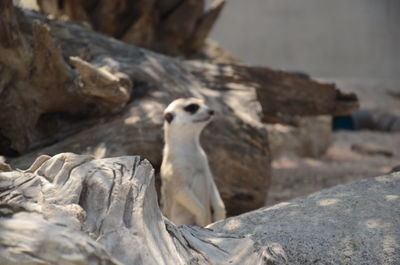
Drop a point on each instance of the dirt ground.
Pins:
(295, 176)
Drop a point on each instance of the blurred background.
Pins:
(354, 44)
(329, 39)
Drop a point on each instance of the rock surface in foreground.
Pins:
(358, 223)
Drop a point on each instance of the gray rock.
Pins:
(396, 125)
(357, 223)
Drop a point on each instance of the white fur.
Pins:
(188, 188)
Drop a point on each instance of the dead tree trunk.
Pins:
(105, 211)
(36, 79)
(282, 95)
(58, 78)
(171, 27)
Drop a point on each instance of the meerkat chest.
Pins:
(190, 167)
(193, 164)
(197, 176)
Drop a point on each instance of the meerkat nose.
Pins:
(211, 112)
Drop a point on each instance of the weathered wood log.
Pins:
(36, 77)
(282, 95)
(138, 129)
(38, 240)
(172, 27)
(92, 74)
(79, 200)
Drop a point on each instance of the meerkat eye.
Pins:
(191, 108)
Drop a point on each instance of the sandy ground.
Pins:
(295, 176)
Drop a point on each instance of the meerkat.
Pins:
(188, 191)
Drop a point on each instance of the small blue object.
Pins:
(343, 123)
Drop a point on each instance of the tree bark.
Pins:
(172, 27)
(36, 77)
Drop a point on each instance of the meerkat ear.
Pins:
(168, 116)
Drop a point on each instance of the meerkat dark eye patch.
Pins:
(169, 117)
(192, 108)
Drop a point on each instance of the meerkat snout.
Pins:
(189, 194)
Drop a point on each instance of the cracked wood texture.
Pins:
(75, 209)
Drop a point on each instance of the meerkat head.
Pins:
(190, 114)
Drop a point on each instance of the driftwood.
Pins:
(108, 96)
(35, 77)
(38, 240)
(105, 211)
(138, 129)
(282, 95)
(72, 71)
